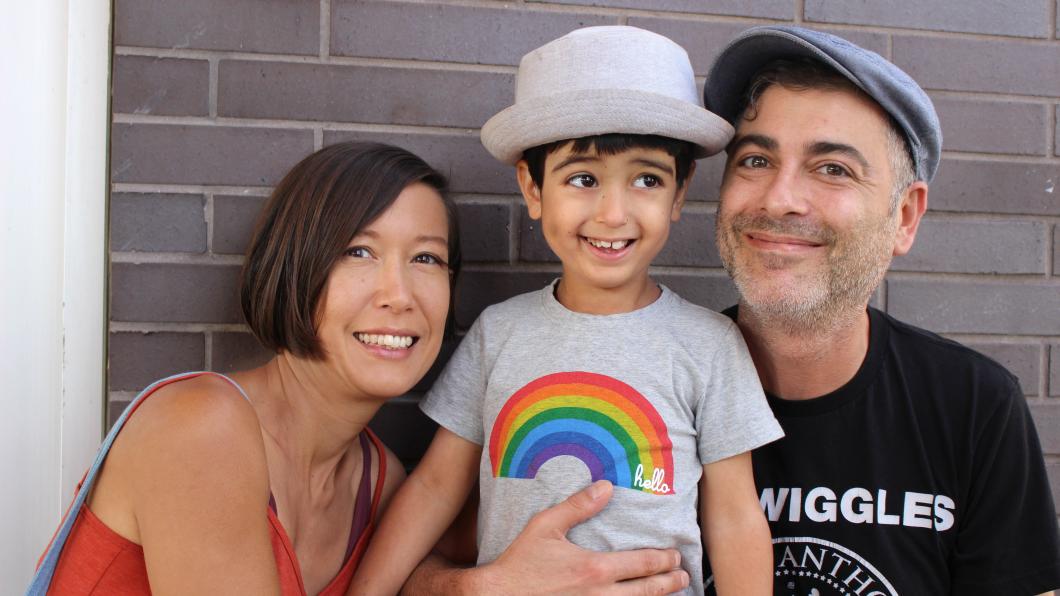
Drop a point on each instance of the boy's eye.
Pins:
(358, 252)
(754, 161)
(582, 181)
(647, 181)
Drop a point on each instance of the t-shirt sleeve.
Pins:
(455, 400)
(1007, 539)
(733, 415)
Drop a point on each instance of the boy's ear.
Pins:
(682, 191)
(531, 193)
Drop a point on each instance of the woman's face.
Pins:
(383, 311)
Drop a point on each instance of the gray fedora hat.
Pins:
(895, 91)
(601, 80)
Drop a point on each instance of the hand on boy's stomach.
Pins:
(542, 561)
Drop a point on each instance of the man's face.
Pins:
(805, 226)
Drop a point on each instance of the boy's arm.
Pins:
(542, 561)
(735, 532)
(418, 515)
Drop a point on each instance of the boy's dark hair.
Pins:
(613, 144)
(313, 213)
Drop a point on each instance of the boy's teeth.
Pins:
(612, 244)
(393, 342)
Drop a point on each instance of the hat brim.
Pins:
(583, 113)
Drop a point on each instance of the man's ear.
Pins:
(910, 210)
(531, 193)
(682, 192)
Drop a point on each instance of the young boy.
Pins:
(604, 374)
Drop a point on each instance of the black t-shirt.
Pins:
(922, 475)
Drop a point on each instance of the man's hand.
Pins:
(542, 561)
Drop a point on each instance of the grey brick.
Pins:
(234, 218)
(1054, 369)
(714, 291)
(703, 41)
(1056, 250)
(360, 93)
(405, 429)
(115, 408)
(223, 155)
(480, 34)
(484, 232)
(468, 165)
(1056, 140)
(974, 185)
(975, 307)
(691, 242)
(979, 65)
(162, 86)
(992, 126)
(277, 26)
(135, 360)
(707, 179)
(1022, 19)
(475, 290)
(770, 9)
(157, 223)
(1047, 420)
(233, 351)
(1022, 360)
(175, 293)
(997, 246)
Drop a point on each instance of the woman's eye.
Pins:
(429, 259)
(754, 161)
(582, 181)
(832, 169)
(357, 252)
(647, 181)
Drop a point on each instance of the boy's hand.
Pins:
(542, 561)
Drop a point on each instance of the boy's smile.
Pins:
(605, 217)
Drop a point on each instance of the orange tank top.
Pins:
(97, 560)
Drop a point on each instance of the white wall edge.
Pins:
(53, 200)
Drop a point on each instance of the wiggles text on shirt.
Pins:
(859, 506)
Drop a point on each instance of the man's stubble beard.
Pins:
(830, 297)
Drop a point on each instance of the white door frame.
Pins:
(54, 118)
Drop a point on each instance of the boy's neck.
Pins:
(592, 300)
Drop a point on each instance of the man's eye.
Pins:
(582, 181)
(832, 169)
(358, 252)
(754, 161)
(647, 181)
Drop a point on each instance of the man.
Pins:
(910, 463)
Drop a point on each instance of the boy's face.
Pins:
(605, 217)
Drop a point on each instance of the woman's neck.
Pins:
(307, 414)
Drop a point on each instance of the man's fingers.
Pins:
(633, 564)
(575, 509)
(656, 585)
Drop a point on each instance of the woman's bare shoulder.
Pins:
(193, 430)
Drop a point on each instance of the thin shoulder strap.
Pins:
(43, 578)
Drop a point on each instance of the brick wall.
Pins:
(214, 100)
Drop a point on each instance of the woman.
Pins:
(267, 482)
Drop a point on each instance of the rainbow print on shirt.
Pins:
(602, 421)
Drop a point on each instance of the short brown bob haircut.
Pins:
(309, 220)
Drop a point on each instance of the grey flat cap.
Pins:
(895, 91)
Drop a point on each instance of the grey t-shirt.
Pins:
(558, 399)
